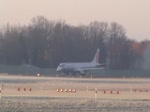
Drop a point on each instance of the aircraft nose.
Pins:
(58, 69)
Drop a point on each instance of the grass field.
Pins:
(29, 70)
(46, 104)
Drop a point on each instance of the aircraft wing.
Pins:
(87, 69)
(83, 70)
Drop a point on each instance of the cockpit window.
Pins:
(61, 65)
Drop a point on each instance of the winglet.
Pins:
(96, 57)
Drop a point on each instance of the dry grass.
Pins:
(46, 104)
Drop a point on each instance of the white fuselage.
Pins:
(77, 67)
(80, 67)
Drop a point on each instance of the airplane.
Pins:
(80, 68)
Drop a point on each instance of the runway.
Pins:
(40, 94)
(110, 88)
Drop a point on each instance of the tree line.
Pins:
(46, 43)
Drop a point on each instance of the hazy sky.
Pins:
(134, 15)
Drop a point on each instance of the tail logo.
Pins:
(96, 57)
